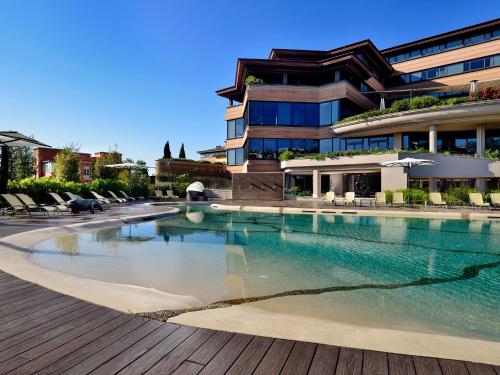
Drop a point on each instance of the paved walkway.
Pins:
(45, 332)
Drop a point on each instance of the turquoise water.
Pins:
(426, 275)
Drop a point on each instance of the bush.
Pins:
(102, 186)
(423, 102)
(286, 155)
(400, 105)
(458, 194)
(297, 192)
(492, 154)
(39, 189)
(388, 196)
(415, 196)
(454, 101)
(252, 80)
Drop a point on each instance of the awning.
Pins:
(16, 139)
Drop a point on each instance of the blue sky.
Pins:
(138, 73)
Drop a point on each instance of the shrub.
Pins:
(102, 186)
(415, 196)
(423, 102)
(252, 80)
(286, 155)
(454, 101)
(492, 153)
(388, 196)
(487, 93)
(296, 190)
(400, 105)
(39, 188)
(458, 194)
(67, 164)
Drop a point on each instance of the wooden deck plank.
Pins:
(176, 357)
(90, 321)
(133, 352)
(86, 351)
(375, 363)
(248, 361)
(426, 366)
(31, 303)
(58, 353)
(275, 358)
(188, 368)
(300, 358)
(400, 364)
(350, 362)
(480, 369)
(325, 360)
(114, 349)
(24, 298)
(451, 367)
(211, 347)
(16, 292)
(149, 359)
(224, 359)
(30, 310)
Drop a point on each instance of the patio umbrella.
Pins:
(129, 166)
(8, 139)
(408, 163)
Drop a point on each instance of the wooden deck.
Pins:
(45, 332)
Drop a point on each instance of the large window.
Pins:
(235, 156)
(293, 114)
(447, 70)
(270, 148)
(235, 128)
(383, 142)
(493, 139)
(437, 48)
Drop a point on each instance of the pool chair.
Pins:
(171, 195)
(116, 198)
(495, 200)
(380, 199)
(350, 198)
(330, 197)
(476, 200)
(58, 199)
(72, 196)
(129, 198)
(398, 199)
(103, 200)
(15, 205)
(436, 200)
(159, 195)
(32, 206)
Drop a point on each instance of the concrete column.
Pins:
(432, 139)
(481, 184)
(338, 183)
(480, 140)
(393, 178)
(316, 184)
(398, 141)
(432, 184)
(332, 182)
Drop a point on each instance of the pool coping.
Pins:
(353, 211)
(15, 259)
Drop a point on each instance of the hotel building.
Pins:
(298, 97)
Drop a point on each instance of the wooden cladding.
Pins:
(258, 186)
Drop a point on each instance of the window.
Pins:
(283, 145)
(270, 116)
(298, 146)
(477, 64)
(235, 156)
(256, 115)
(325, 145)
(48, 168)
(311, 114)
(284, 114)
(231, 129)
(270, 149)
(86, 171)
(454, 69)
(311, 146)
(454, 44)
(235, 128)
(297, 114)
(325, 114)
(255, 148)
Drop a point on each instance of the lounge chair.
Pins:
(330, 197)
(380, 199)
(128, 197)
(436, 199)
(72, 196)
(476, 200)
(159, 195)
(59, 199)
(171, 195)
(495, 200)
(398, 199)
(116, 198)
(32, 206)
(103, 200)
(350, 198)
(16, 206)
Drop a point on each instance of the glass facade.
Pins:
(452, 44)
(447, 70)
(235, 156)
(383, 142)
(235, 128)
(270, 148)
(492, 139)
(460, 142)
(293, 114)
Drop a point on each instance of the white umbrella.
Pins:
(408, 163)
(127, 166)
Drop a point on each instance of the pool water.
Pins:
(426, 275)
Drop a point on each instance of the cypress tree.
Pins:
(166, 151)
(182, 153)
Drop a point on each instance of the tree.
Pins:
(67, 164)
(21, 162)
(182, 153)
(100, 171)
(166, 151)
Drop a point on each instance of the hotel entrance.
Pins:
(363, 184)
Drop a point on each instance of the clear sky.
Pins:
(138, 73)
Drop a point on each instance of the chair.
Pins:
(116, 198)
(398, 199)
(105, 201)
(350, 198)
(330, 197)
(495, 199)
(171, 195)
(125, 195)
(436, 199)
(476, 200)
(72, 196)
(380, 199)
(159, 195)
(31, 205)
(15, 204)
(58, 199)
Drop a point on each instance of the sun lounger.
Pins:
(58, 199)
(32, 206)
(126, 196)
(116, 198)
(16, 206)
(350, 198)
(476, 200)
(330, 197)
(495, 199)
(171, 195)
(398, 199)
(103, 200)
(72, 196)
(436, 200)
(380, 199)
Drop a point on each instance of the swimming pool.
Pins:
(424, 275)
